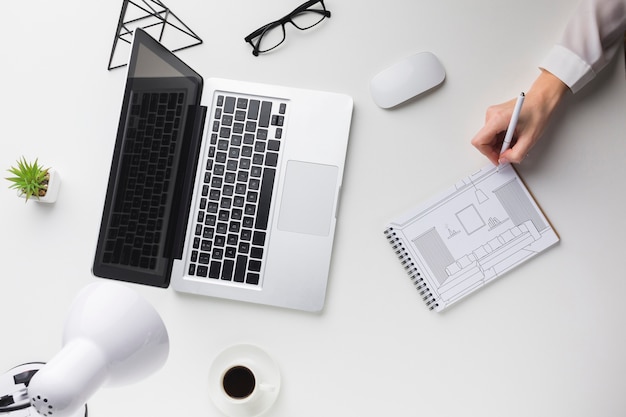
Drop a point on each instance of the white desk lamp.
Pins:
(112, 337)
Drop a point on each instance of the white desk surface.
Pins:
(548, 339)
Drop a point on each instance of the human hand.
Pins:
(539, 104)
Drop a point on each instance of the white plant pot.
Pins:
(54, 184)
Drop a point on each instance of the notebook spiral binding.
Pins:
(409, 266)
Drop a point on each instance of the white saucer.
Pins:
(266, 373)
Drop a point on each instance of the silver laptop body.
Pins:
(301, 221)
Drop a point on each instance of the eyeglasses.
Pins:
(303, 17)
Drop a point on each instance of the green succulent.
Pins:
(31, 179)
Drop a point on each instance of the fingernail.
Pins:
(502, 161)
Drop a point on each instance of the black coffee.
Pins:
(238, 382)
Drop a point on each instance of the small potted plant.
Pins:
(32, 180)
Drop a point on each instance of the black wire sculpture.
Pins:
(155, 18)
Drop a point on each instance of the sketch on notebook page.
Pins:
(485, 225)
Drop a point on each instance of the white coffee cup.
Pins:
(241, 385)
(244, 381)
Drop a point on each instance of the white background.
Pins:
(545, 340)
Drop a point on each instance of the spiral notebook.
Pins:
(482, 227)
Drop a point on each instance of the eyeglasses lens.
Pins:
(271, 38)
(308, 18)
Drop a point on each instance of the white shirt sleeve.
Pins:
(591, 39)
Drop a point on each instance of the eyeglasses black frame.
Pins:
(255, 37)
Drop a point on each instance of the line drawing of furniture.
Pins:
(155, 18)
(470, 240)
(489, 260)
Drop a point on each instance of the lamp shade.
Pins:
(112, 336)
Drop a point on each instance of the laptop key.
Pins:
(227, 270)
(227, 120)
(271, 159)
(244, 247)
(248, 222)
(230, 252)
(266, 114)
(273, 145)
(256, 253)
(242, 103)
(253, 109)
(229, 105)
(204, 258)
(246, 234)
(265, 198)
(202, 271)
(254, 266)
(252, 279)
(261, 134)
(240, 268)
(258, 238)
(240, 115)
(214, 270)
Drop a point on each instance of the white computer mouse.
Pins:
(406, 79)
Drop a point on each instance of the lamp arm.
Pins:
(65, 383)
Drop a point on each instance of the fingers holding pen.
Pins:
(540, 103)
(488, 141)
(490, 137)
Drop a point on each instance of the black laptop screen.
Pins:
(160, 102)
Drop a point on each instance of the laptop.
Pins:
(231, 192)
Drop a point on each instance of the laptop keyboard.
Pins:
(136, 231)
(232, 216)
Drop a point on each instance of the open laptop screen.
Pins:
(155, 136)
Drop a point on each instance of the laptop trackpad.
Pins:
(308, 198)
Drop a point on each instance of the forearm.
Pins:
(546, 92)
